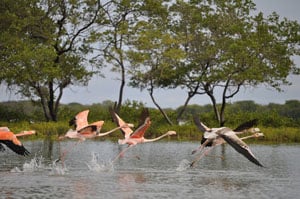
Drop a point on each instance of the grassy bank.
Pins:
(184, 133)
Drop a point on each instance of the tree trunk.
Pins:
(51, 102)
(119, 104)
(191, 94)
(209, 92)
(159, 108)
(183, 108)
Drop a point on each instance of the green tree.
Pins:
(111, 38)
(227, 48)
(42, 50)
(153, 49)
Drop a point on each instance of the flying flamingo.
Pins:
(84, 130)
(10, 139)
(133, 138)
(217, 136)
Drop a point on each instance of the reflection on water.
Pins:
(161, 172)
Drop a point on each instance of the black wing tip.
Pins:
(90, 127)
(2, 148)
(258, 163)
(113, 114)
(18, 149)
(26, 152)
(247, 125)
(72, 121)
(22, 151)
(114, 117)
(246, 153)
(143, 116)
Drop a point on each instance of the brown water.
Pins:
(160, 172)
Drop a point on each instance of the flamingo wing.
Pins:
(233, 140)
(80, 120)
(90, 129)
(98, 125)
(2, 147)
(246, 125)
(19, 149)
(140, 131)
(143, 116)
(200, 125)
(127, 131)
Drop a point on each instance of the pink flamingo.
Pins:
(217, 136)
(10, 139)
(84, 130)
(133, 138)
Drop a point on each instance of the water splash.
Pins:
(35, 164)
(183, 165)
(94, 164)
(58, 169)
(16, 170)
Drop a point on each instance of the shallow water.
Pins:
(151, 170)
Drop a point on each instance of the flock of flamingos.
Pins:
(83, 130)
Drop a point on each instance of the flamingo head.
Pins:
(171, 132)
(129, 125)
(255, 130)
(31, 132)
(259, 135)
(61, 137)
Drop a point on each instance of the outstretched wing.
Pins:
(80, 120)
(200, 125)
(233, 140)
(88, 130)
(246, 125)
(19, 149)
(139, 132)
(2, 147)
(127, 131)
(98, 125)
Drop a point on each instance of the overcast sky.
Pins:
(101, 89)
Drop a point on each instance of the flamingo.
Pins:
(10, 139)
(132, 138)
(217, 136)
(84, 130)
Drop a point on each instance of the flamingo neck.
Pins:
(155, 139)
(108, 132)
(23, 133)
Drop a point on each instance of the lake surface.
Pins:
(151, 170)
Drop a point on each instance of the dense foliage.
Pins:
(271, 115)
(279, 122)
(200, 46)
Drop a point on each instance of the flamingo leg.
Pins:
(201, 147)
(197, 159)
(64, 153)
(216, 156)
(122, 153)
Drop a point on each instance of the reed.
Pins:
(281, 134)
(184, 133)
